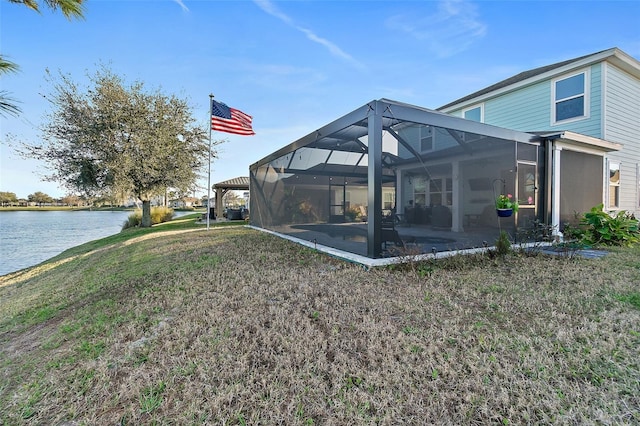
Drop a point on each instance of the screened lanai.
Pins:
(391, 178)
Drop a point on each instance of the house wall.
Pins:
(622, 125)
(614, 115)
(529, 108)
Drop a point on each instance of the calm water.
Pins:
(30, 237)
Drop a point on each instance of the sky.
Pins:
(293, 65)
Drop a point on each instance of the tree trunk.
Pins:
(146, 214)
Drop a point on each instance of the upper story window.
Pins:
(475, 113)
(570, 97)
(426, 138)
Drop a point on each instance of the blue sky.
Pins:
(293, 65)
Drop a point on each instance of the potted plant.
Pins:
(506, 205)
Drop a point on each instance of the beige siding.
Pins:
(622, 125)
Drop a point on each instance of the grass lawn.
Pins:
(180, 325)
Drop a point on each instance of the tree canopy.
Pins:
(69, 8)
(114, 137)
(40, 198)
(7, 198)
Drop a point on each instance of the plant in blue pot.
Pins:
(506, 205)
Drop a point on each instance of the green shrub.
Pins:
(503, 245)
(620, 229)
(133, 220)
(158, 215)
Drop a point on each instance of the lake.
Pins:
(28, 238)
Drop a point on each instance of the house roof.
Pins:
(238, 183)
(348, 135)
(614, 55)
(577, 139)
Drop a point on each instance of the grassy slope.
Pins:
(239, 327)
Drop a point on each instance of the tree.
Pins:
(70, 9)
(71, 200)
(7, 104)
(7, 198)
(118, 138)
(40, 198)
(231, 199)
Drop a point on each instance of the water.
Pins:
(28, 238)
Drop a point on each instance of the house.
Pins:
(182, 203)
(588, 111)
(560, 139)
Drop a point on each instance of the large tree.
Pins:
(40, 198)
(69, 8)
(7, 198)
(114, 137)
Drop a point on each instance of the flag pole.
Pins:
(209, 173)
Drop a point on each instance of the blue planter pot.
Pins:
(504, 212)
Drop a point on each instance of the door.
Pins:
(337, 205)
(527, 193)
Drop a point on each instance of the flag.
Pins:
(230, 120)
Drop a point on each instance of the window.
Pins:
(475, 113)
(570, 97)
(614, 185)
(388, 200)
(419, 190)
(440, 192)
(426, 138)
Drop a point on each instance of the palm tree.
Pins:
(69, 8)
(7, 105)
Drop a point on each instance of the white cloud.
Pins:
(452, 29)
(271, 9)
(182, 5)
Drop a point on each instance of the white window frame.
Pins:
(431, 134)
(481, 106)
(443, 189)
(610, 185)
(585, 94)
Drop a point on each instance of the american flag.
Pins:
(230, 120)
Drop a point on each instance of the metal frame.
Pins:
(371, 120)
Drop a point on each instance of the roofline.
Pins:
(400, 111)
(580, 139)
(239, 183)
(613, 55)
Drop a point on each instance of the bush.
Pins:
(620, 229)
(158, 215)
(503, 245)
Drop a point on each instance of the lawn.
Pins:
(235, 326)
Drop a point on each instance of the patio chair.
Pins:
(389, 233)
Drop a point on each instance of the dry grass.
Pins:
(238, 327)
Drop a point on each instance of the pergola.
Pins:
(221, 188)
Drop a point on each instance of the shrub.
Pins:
(161, 215)
(503, 245)
(158, 215)
(620, 229)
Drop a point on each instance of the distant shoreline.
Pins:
(62, 208)
(66, 208)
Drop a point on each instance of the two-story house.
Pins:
(560, 139)
(588, 111)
